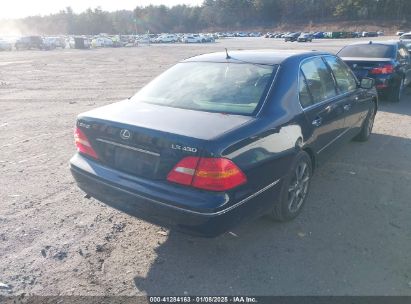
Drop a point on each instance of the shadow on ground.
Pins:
(352, 238)
(403, 107)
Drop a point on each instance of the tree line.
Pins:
(217, 15)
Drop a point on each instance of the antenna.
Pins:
(227, 56)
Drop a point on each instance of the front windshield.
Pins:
(234, 88)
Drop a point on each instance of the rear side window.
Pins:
(343, 76)
(319, 80)
(368, 50)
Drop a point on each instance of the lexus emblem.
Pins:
(125, 134)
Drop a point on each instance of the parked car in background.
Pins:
(405, 37)
(53, 42)
(144, 39)
(255, 34)
(102, 42)
(191, 39)
(167, 38)
(256, 123)
(369, 34)
(241, 34)
(292, 37)
(5, 45)
(408, 46)
(305, 37)
(318, 35)
(29, 42)
(399, 33)
(79, 43)
(388, 62)
(207, 38)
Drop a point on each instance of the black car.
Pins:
(292, 37)
(388, 62)
(220, 138)
(30, 42)
(305, 37)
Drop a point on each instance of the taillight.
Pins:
(385, 69)
(215, 174)
(82, 143)
(183, 172)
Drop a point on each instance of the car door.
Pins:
(355, 102)
(322, 106)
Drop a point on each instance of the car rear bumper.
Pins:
(160, 204)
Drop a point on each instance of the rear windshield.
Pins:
(233, 88)
(368, 50)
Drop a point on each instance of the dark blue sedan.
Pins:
(222, 138)
(387, 62)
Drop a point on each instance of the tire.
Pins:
(294, 189)
(396, 92)
(367, 125)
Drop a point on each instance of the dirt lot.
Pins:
(353, 237)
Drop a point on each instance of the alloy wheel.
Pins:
(298, 188)
(370, 121)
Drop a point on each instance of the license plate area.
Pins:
(129, 159)
(135, 162)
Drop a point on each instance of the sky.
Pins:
(10, 9)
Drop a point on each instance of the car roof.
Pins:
(268, 57)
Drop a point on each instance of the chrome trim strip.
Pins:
(127, 147)
(335, 138)
(179, 208)
(270, 89)
(247, 198)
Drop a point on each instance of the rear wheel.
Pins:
(367, 126)
(396, 92)
(294, 189)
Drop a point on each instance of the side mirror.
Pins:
(367, 83)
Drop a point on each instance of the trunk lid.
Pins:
(148, 140)
(362, 66)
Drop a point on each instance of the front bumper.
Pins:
(192, 211)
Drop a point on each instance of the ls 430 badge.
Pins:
(184, 148)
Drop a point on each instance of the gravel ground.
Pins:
(353, 237)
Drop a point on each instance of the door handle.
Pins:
(347, 107)
(317, 122)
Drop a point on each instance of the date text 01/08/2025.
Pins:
(203, 299)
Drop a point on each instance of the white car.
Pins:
(5, 45)
(166, 39)
(406, 36)
(399, 33)
(192, 39)
(102, 42)
(53, 42)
